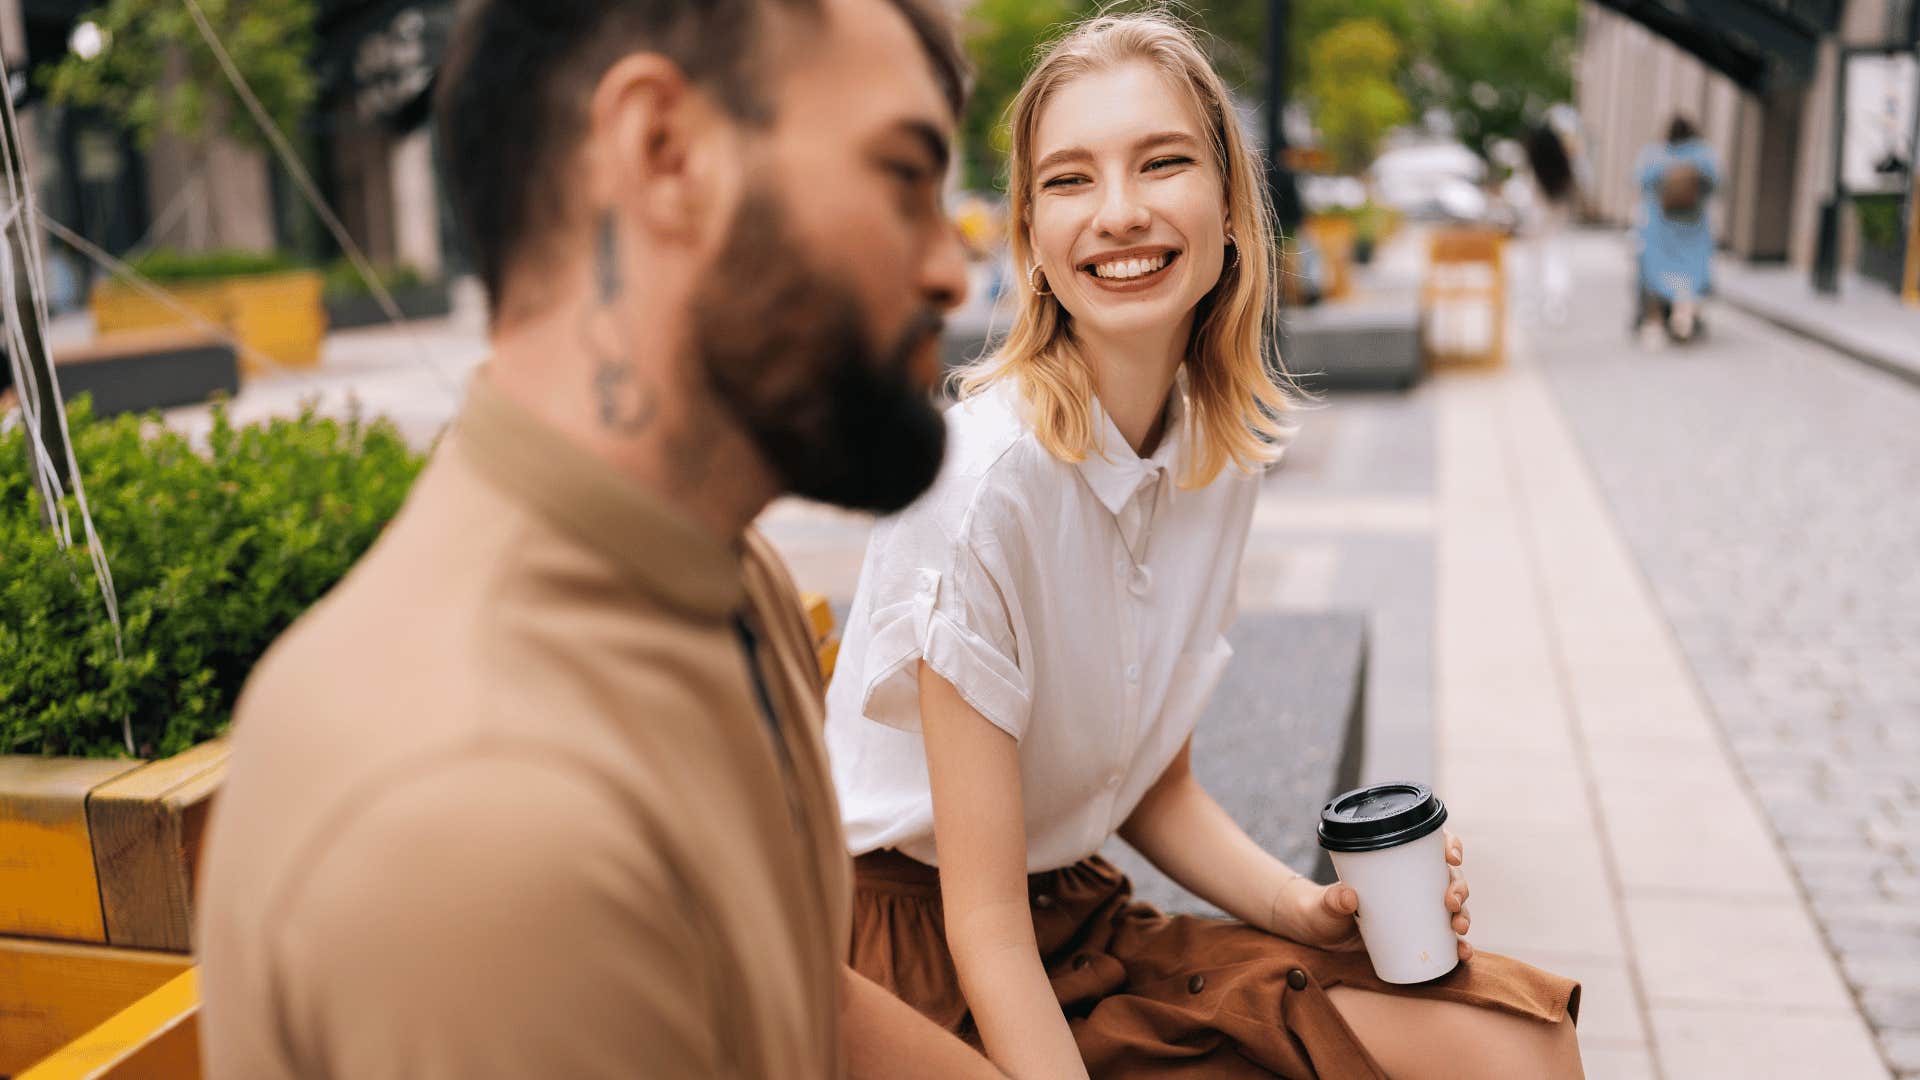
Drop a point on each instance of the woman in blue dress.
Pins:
(1676, 179)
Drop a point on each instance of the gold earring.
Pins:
(1235, 245)
(1033, 280)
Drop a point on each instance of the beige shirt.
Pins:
(507, 802)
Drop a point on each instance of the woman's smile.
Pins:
(1132, 270)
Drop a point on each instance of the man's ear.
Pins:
(645, 123)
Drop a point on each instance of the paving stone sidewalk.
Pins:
(1864, 320)
(1766, 487)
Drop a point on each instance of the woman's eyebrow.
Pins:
(1145, 142)
(1061, 157)
(1166, 138)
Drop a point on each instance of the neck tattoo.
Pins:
(626, 402)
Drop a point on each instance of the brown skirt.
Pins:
(1148, 994)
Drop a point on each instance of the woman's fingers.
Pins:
(1456, 851)
(1466, 950)
(1457, 890)
(1336, 929)
(1340, 901)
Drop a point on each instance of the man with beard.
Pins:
(539, 790)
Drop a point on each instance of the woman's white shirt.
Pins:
(1080, 607)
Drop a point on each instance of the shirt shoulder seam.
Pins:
(964, 534)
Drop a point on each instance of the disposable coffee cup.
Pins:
(1387, 844)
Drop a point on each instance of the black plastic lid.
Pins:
(1379, 817)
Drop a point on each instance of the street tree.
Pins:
(145, 64)
(1494, 66)
(1005, 39)
(1350, 85)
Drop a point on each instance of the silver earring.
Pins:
(1034, 279)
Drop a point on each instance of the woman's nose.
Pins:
(1121, 212)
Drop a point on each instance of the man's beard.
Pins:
(785, 351)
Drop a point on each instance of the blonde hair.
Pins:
(1235, 396)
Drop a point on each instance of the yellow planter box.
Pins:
(1334, 236)
(279, 316)
(104, 851)
(53, 993)
(157, 1037)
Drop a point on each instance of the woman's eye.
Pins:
(1064, 181)
(1168, 162)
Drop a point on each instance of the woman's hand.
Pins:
(1322, 915)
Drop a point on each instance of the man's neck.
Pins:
(1134, 377)
(628, 404)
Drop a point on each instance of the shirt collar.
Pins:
(677, 561)
(1111, 468)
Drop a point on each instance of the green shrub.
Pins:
(344, 280)
(163, 265)
(1879, 221)
(214, 552)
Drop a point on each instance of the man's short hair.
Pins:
(510, 105)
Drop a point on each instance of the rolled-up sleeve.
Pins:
(942, 604)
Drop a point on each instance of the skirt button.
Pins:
(1043, 901)
(1080, 961)
(1196, 984)
(1297, 979)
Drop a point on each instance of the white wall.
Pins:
(416, 205)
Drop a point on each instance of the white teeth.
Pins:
(1123, 269)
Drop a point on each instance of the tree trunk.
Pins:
(203, 230)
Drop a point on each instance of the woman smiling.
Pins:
(1031, 645)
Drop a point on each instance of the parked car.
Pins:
(1438, 180)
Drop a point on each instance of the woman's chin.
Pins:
(1111, 318)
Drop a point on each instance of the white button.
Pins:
(1120, 567)
(1141, 583)
(1113, 780)
(1133, 672)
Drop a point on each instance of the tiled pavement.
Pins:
(1863, 319)
(1766, 487)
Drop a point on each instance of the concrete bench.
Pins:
(138, 370)
(1362, 344)
(1281, 736)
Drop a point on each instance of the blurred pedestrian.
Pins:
(1033, 641)
(1556, 199)
(1677, 179)
(539, 790)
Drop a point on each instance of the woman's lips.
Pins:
(1131, 284)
